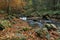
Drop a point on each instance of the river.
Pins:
(40, 22)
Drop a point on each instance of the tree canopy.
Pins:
(30, 7)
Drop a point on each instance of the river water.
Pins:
(40, 23)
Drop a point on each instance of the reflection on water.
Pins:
(33, 23)
(23, 18)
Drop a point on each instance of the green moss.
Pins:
(25, 28)
(5, 23)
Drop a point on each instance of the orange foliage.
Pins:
(3, 4)
(17, 4)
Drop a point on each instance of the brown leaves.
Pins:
(13, 4)
(17, 4)
(3, 4)
(54, 34)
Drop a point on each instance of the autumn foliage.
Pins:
(15, 4)
(3, 4)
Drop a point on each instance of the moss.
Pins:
(25, 28)
(23, 39)
(39, 32)
(6, 23)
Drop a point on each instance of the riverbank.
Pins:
(17, 29)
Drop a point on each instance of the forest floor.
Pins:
(17, 29)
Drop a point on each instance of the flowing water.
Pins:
(40, 23)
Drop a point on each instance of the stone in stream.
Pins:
(54, 26)
(51, 26)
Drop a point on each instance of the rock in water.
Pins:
(51, 26)
(48, 26)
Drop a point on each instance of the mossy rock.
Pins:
(48, 26)
(39, 32)
(18, 39)
(51, 26)
(25, 28)
(6, 23)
